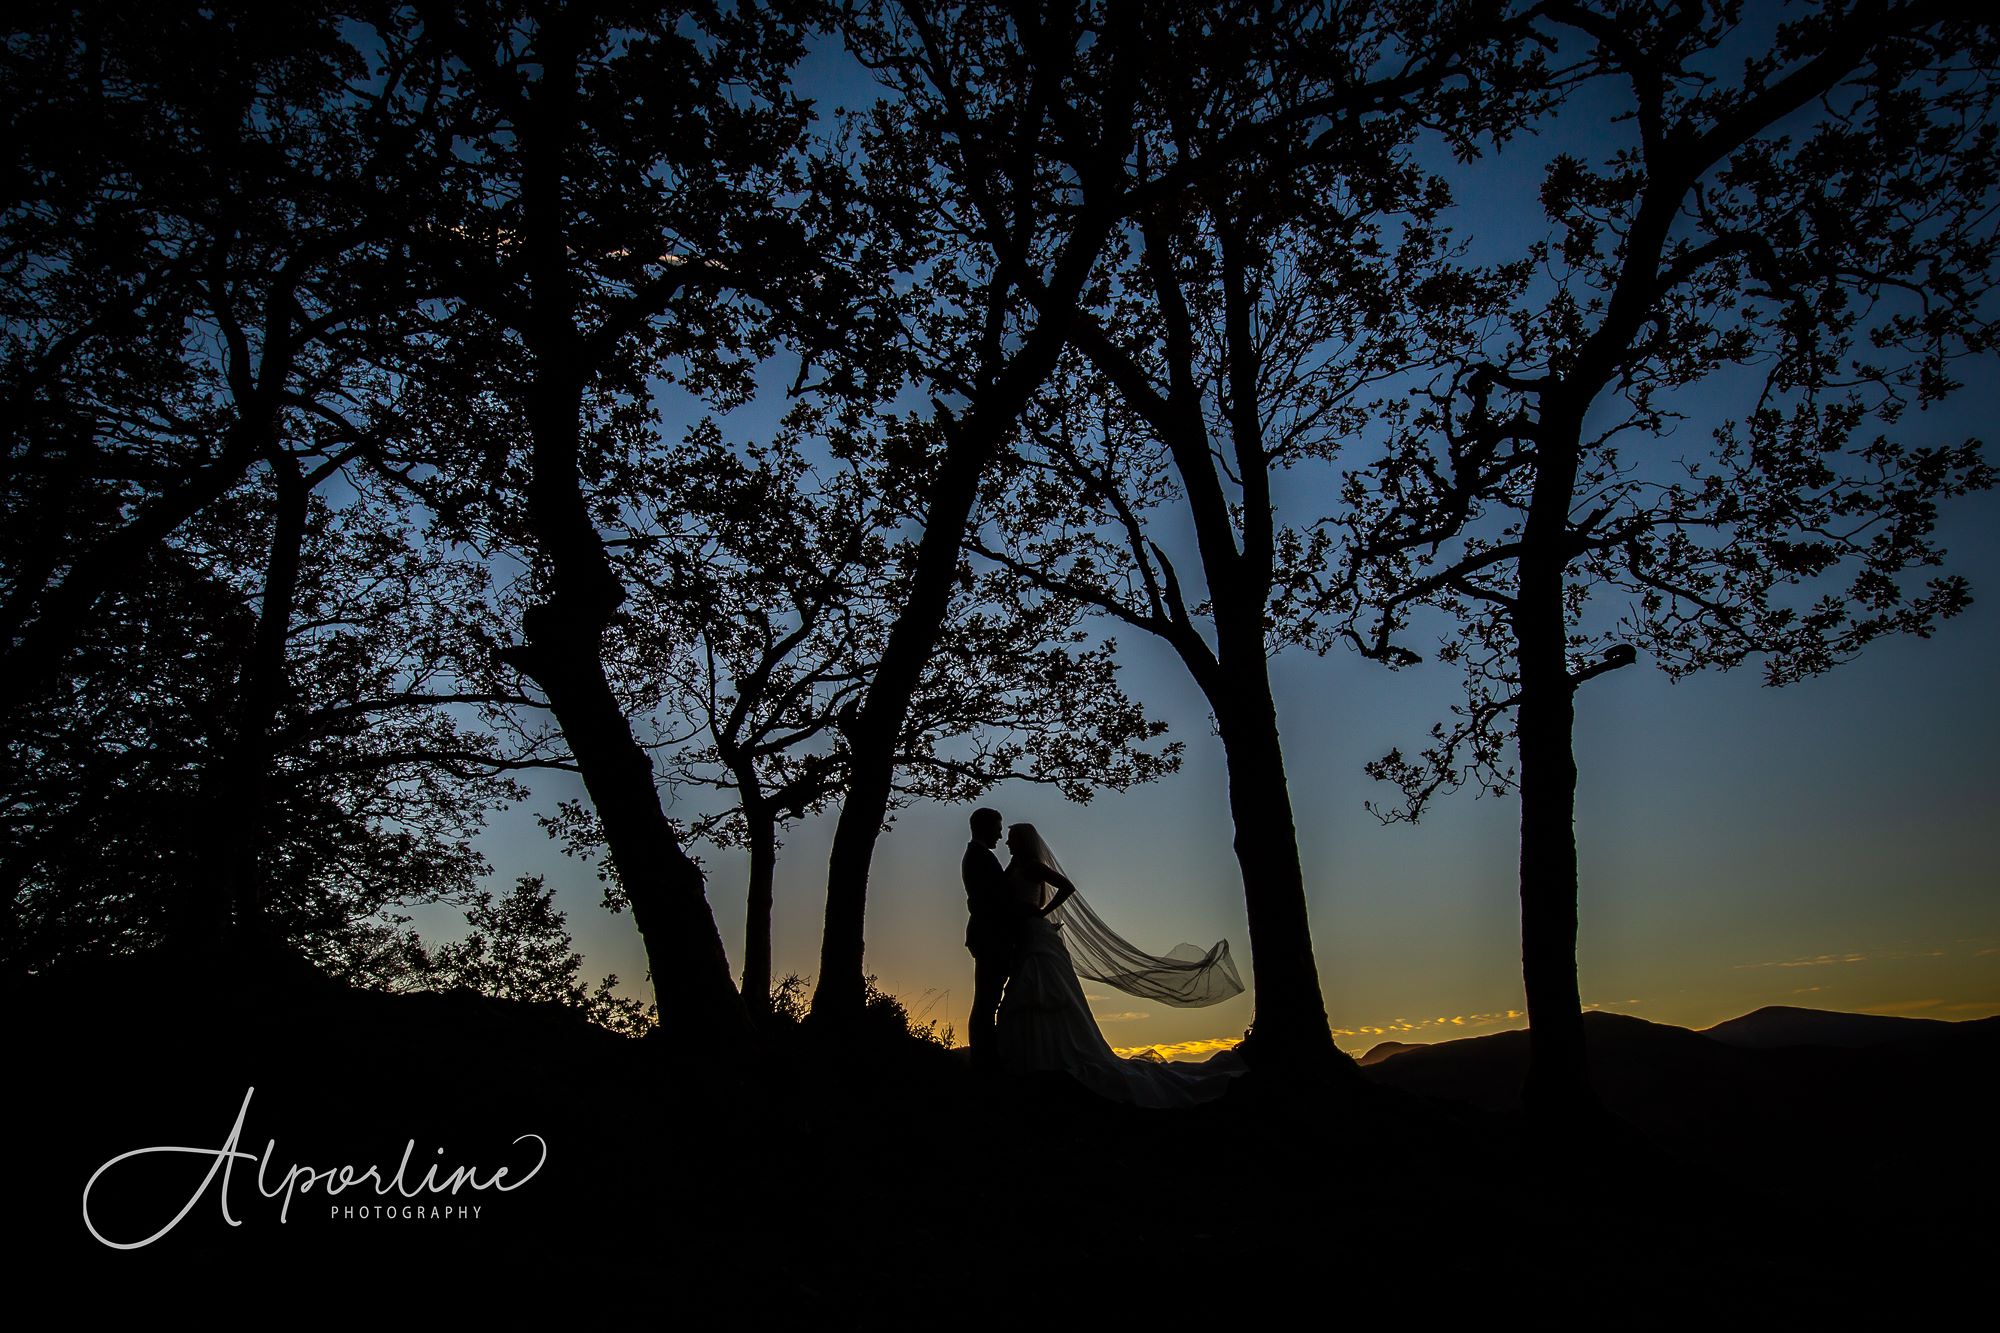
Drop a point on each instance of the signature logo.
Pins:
(332, 1180)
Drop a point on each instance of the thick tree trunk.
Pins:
(564, 632)
(1290, 1032)
(1291, 1027)
(763, 831)
(683, 947)
(1558, 1082)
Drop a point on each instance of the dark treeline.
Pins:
(368, 372)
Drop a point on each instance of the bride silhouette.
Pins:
(1045, 1024)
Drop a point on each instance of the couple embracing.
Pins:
(1030, 935)
(1007, 907)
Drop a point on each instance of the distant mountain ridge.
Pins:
(1383, 1050)
(1773, 1026)
(1803, 1084)
(1787, 1025)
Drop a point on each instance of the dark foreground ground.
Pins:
(875, 1183)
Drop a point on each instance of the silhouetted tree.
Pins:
(99, 783)
(1237, 337)
(368, 788)
(1806, 215)
(385, 719)
(999, 127)
(194, 308)
(174, 302)
(1012, 142)
(618, 209)
(772, 609)
(516, 948)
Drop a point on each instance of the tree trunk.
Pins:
(763, 830)
(1291, 1025)
(564, 632)
(1558, 1082)
(872, 739)
(222, 894)
(998, 399)
(683, 947)
(840, 993)
(247, 769)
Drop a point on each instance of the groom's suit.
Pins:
(993, 936)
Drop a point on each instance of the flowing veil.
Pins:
(1186, 975)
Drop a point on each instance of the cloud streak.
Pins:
(1199, 1049)
(1397, 1026)
(1836, 959)
(1434, 1027)
(1823, 960)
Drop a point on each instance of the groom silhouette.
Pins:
(993, 935)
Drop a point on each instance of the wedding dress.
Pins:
(1045, 1023)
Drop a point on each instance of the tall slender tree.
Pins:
(1237, 337)
(966, 153)
(1802, 216)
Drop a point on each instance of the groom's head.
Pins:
(986, 826)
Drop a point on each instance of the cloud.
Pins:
(1201, 1047)
(1126, 1017)
(1398, 1026)
(1809, 990)
(1830, 959)
(1823, 960)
